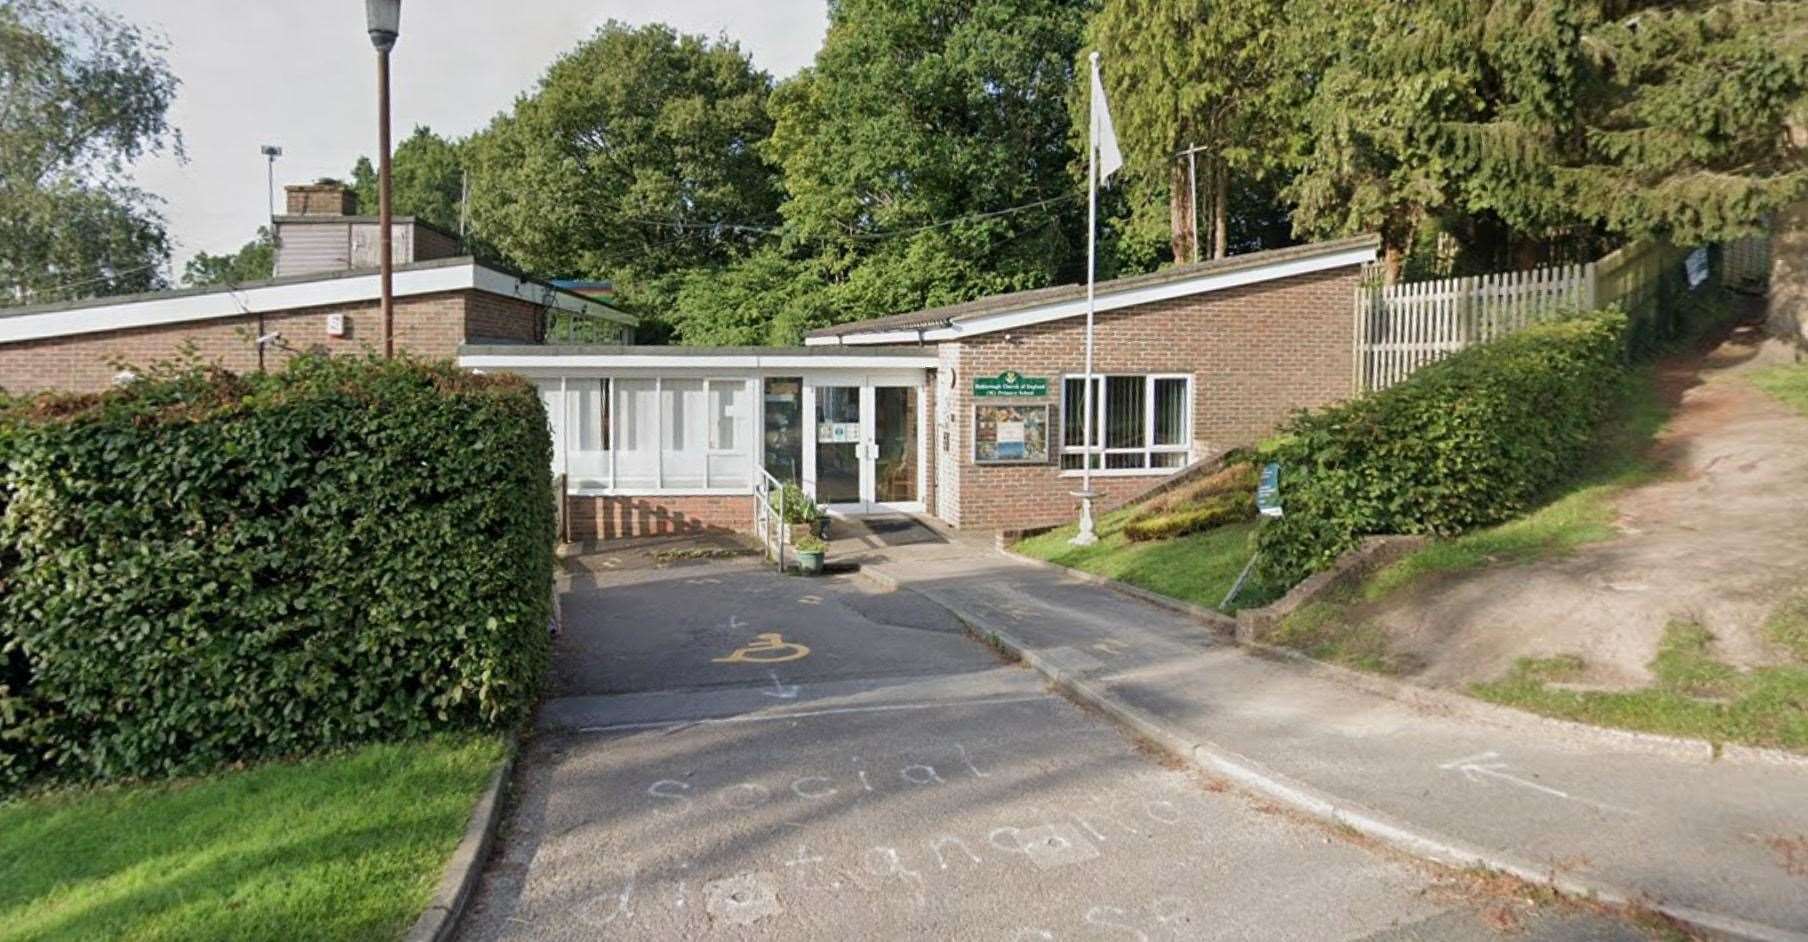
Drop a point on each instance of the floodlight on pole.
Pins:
(270, 152)
(383, 18)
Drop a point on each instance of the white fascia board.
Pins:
(1179, 288)
(701, 362)
(507, 285)
(272, 299)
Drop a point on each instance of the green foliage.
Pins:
(1545, 122)
(639, 152)
(921, 113)
(345, 846)
(254, 261)
(1789, 384)
(797, 505)
(86, 95)
(202, 568)
(426, 172)
(809, 543)
(1469, 441)
(1210, 512)
(1198, 567)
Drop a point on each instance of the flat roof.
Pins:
(1060, 301)
(269, 295)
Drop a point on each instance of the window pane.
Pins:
(1168, 459)
(1073, 433)
(1126, 462)
(784, 429)
(1170, 412)
(553, 401)
(725, 411)
(636, 434)
(684, 433)
(586, 428)
(1124, 412)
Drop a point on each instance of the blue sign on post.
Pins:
(1268, 490)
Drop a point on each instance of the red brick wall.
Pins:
(428, 325)
(591, 518)
(1255, 354)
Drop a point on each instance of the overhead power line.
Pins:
(888, 234)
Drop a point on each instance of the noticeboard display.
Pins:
(1010, 434)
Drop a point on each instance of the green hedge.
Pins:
(1470, 441)
(1209, 512)
(202, 568)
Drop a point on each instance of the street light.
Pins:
(384, 20)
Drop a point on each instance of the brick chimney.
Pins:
(326, 198)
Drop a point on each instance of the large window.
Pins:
(1142, 424)
(655, 434)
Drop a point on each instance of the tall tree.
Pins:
(254, 261)
(1196, 74)
(427, 173)
(83, 94)
(638, 152)
(925, 154)
(1556, 119)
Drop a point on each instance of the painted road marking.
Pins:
(799, 714)
(761, 650)
(1482, 766)
(781, 691)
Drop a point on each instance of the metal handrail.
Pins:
(767, 513)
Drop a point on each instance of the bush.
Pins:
(202, 568)
(1234, 476)
(1469, 441)
(1213, 511)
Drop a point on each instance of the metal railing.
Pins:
(769, 517)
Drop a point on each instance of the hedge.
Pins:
(201, 568)
(1470, 441)
(1209, 512)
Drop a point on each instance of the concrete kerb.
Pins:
(1426, 698)
(458, 882)
(1420, 843)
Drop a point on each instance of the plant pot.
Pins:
(822, 528)
(809, 562)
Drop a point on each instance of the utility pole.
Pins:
(1192, 171)
(384, 20)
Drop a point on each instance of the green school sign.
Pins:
(1010, 383)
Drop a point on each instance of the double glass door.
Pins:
(867, 455)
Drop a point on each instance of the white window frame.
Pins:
(750, 433)
(1148, 448)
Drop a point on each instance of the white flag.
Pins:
(1104, 135)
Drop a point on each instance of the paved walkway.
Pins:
(1722, 844)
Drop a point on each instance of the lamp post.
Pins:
(384, 19)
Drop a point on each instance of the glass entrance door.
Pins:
(896, 464)
(840, 447)
(867, 456)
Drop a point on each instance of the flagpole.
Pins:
(1087, 535)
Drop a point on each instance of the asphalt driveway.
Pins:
(733, 753)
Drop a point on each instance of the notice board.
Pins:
(1010, 434)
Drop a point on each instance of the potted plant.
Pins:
(810, 548)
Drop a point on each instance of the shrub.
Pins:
(798, 507)
(1466, 442)
(202, 568)
(1234, 476)
(1213, 511)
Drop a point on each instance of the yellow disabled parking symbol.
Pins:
(767, 648)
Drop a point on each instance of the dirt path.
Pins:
(1721, 540)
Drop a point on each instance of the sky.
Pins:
(301, 74)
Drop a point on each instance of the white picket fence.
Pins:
(1402, 327)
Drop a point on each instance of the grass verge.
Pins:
(1789, 384)
(1199, 568)
(346, 846)
(1695, 695)
(1581, 512)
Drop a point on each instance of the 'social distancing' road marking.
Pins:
(802, 714)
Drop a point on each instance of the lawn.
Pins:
(346, 846)
(1694, 694)
(1787, 383)
(1199, 568)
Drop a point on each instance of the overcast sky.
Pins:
(301, 74)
